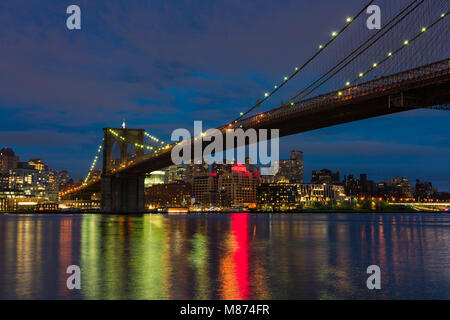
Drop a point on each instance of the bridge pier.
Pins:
(123, 193)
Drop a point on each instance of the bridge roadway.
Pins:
(421, 87)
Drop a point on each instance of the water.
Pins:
(225, 256)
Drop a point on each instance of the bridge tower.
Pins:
(122, 193)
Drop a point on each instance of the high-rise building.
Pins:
(8, 160)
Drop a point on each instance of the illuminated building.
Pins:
(277, 196)
(311, 192)
(289, 171)
(34, 182)
(64, 180)
(154, 177)
(240, 185)
(4, 181)
(37, 164)
(168, 195)
(195, 170)
(397, 188)
(8, 160)
(220, 168)
(175, 173)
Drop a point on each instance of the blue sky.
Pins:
(163, 64)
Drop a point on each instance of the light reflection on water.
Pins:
(227, 256)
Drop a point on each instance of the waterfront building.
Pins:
(277, 196)
(175, 194)
(240, 185)
(313, 192)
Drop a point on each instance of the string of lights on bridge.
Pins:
(99, 149)
(390, 54)
(388, 27)
(322, 47)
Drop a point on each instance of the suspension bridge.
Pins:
(405, 65)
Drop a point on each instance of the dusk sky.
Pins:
(160, 65)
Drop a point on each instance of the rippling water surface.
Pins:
(226, 256)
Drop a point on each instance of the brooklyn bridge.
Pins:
(402, 66)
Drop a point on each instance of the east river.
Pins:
(225, 256)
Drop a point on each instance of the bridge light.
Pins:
(334, 34)
(241, 114)
(286, 78)
(389, 54)
(361, 74)
(424, 29)
(320, 46)
(375, 65)
(275, 87)
(266, 95)
(296, 68)
(406, 42)
(349, 19)
(442, 15)
(347, 83)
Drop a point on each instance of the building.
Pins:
(289, 171)
(277, 196)
(424, 190)
(325, 176)
(397, 188)
(34, 182)
(202, 187)
(240, 186)
(221, 168)
(176, 194)
(175, 173)
(64, 180)
(361, 188)
(37, 164)
(8, 160)
(195, 170)
(312, 192)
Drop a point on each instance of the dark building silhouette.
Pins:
(325, 176)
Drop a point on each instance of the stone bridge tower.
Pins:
(121, 192)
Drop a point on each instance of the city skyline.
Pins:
(157, 88)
